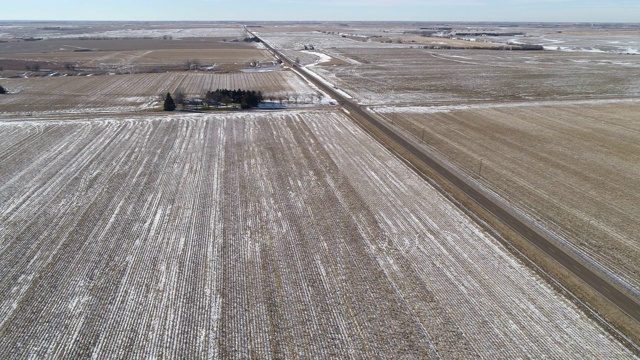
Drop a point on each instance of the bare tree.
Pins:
(34, 67)
(192, 64)
(179, 97)
(295, 97)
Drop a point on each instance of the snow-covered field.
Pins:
(427, 77)
(620, 42)
(264, 234)
(294, 40)
(176, 33)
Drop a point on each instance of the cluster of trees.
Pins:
(246, 98)
(34, 67)
(195, 64)
(192, 64)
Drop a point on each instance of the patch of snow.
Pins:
(322, 57)
(321, 79)
(307, 70)
(261, 69)
(449, 108)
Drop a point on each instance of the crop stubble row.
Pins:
(408, 76)
(573, 168)
(264, 234)
(133, 92)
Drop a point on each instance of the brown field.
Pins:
(573, 169)
(101, 47)
(70, 45)
(172, 55)
(134, 91)
(140, 60)
(229, 57)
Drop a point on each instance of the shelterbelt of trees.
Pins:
(245, 98)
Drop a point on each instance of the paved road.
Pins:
(589, 275)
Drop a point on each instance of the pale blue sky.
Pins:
(390, 10)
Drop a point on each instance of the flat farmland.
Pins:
(102, 48)
(10, 30)
(263, 234)
(140, 60)
(295, 38)
(55, 45)
(148, 58)
(574, 168)
(77, 94)
(419, 76)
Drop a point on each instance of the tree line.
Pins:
(247, 99)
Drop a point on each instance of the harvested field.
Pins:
(178, 32)
(117, 30)
(105, 48)
(133, 92)
(437, 41)
(296, 40)
(572, 168)
(72, 45)
(143, 59)
(267, 235)
(418, 76)
(598, 39)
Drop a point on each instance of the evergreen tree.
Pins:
(169, 104)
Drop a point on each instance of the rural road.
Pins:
(590, 275)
